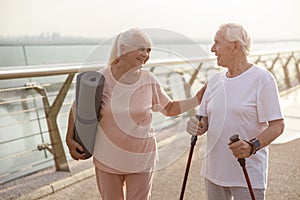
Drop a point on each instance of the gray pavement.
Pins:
(283, 180)
(80, 183)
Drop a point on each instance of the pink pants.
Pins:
(113, 186)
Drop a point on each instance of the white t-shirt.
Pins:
(241, 105)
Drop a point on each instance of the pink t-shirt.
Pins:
(125, 142)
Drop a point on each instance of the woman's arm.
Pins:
(177, 107)
(71, 143)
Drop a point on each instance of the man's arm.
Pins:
(242, 149)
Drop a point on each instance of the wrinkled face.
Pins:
(138, 57)
(223, 49)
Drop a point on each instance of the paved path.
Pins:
(283, 180)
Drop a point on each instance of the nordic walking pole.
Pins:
(193, 143)
(242, 162)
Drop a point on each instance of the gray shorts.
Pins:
(216, 192)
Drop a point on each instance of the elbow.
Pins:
(167, 115)
(170, 114)
(281, 126)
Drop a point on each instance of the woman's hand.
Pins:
(200, 93)
(73, 149)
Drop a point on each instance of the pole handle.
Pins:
(194, 137)
(242, 162)
(233, 139)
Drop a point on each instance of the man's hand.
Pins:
(240, 149)
(196, 127)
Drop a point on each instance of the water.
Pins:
(57, 54)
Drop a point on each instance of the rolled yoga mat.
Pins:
(89, 89)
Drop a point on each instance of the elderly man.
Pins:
(243, 100)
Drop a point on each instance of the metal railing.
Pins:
(34, 102)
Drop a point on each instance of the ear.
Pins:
(237, 45)
(146, 60)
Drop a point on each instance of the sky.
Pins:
(264, 19)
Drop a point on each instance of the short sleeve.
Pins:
(160, 99)
(268, 105)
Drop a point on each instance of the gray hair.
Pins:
(236, 32)
(131, 40)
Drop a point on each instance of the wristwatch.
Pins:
(255, 144)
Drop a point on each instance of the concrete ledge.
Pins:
(58, 185)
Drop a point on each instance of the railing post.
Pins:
(188, 86)
(25, 55)
(297, 66)
(286, 72)
(61, 163)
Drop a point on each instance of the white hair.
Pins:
(127, 41)
(236, 32)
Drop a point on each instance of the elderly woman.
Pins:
(243, 100)
(125, 147)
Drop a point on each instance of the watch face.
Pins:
(256, 145)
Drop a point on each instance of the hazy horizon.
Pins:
(264, 19)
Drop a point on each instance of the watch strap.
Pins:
(255, 144)
(251, 145)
